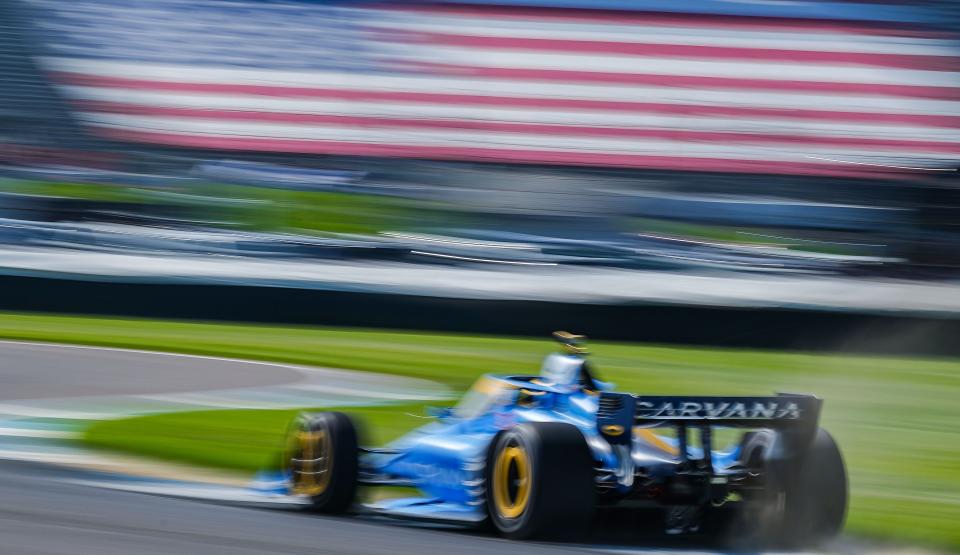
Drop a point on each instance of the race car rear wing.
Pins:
(779, 411)
(795, 417)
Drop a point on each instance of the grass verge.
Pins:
(895, 418)
(241, 439)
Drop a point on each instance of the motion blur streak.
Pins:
(371, 203)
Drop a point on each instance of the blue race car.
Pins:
(536, 456)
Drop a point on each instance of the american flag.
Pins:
(518, 85)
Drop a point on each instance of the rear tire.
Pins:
(322, 451)
(539, 482)
(802, 505)
(816, 495)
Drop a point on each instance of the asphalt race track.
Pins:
(40, 370)
(40, 513)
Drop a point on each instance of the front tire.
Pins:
(321, 460)
(539, 481)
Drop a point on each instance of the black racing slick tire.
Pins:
(322, 460)
(803, 502)
(816, 495)
(539, 482)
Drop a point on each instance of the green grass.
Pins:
(256, 208)
(313, 211)
(77, 191)
(243, 439)
(895, 418)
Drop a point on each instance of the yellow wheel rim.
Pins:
(310, 462)
(511, 482)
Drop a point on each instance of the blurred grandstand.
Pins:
(813, 136)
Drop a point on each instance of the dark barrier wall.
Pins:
(726, 327)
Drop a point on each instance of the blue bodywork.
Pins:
(446, 459)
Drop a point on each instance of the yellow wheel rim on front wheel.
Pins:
(311, 462)
(511, 482)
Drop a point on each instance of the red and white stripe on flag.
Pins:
(557, 87)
